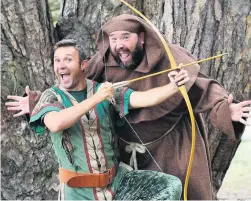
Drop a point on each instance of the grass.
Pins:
(237, 182)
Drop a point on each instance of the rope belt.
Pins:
(133, 147)
(87, 180)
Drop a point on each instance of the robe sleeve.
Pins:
(209, 96)
(95, 69)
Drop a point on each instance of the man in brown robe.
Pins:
(164, 129)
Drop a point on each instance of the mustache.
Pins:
(117, 51)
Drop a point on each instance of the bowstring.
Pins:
(103, 41)
(156, 163)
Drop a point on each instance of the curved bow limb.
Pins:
(183, 92)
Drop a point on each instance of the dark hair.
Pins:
(72, 43)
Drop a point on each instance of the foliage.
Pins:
(55, 9)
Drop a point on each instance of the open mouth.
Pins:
(124, 55)
(65, 76)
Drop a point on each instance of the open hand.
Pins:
(19, 103)
(179, 77)
(239, 110)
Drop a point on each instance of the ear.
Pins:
(142, 37)
(84, 64)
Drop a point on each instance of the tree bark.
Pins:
(28, 165)
(205, 28)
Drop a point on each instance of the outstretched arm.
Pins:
(57, 121)
(157, 95)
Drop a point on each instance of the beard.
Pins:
(137, 57)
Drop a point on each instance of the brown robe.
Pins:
(173, 150)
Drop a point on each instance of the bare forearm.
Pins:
(162, 93)
(59, 121)
(153, 96)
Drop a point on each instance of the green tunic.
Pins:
(90, 140)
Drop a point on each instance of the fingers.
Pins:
(246, 109)
(184, 81)
(27, 90)
(18, 114)
(106, 85)
(230, 98)
(17, 108)
(176, 74)
(106, 90)
(172, 73)
(12, 104)
(16, 98)
(180, 65)
(248, 115)
(244, 103)
(112, 100)
(109, 89)
(181, 77)
(244, 122)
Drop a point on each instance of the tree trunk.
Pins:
(28, 166)
(205, 28)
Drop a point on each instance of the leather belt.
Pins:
(82, 180)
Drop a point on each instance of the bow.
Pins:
(182, 90)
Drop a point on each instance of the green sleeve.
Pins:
(48, 102)
(122, 99)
